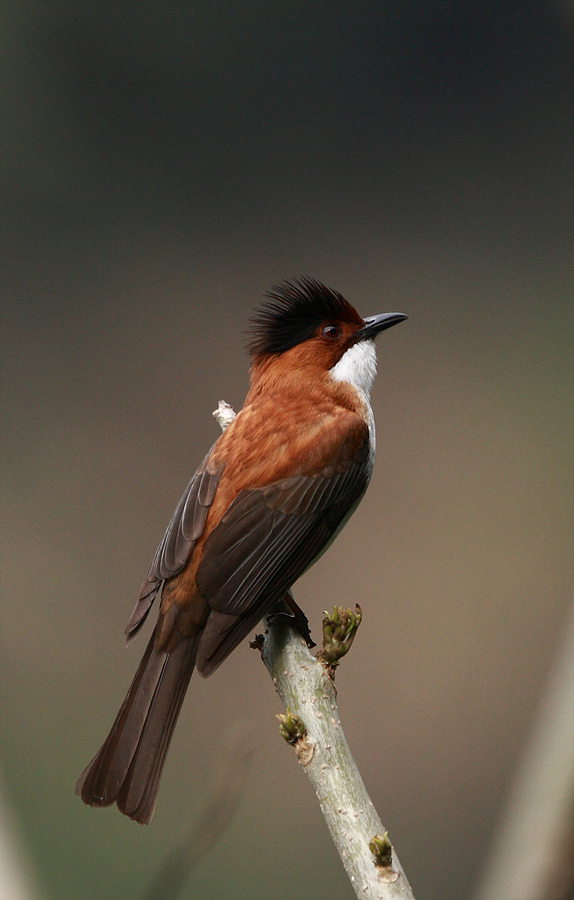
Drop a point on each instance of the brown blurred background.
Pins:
(164, 164)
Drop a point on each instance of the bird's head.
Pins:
(305, 325)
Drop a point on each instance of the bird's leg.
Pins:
(296, 617)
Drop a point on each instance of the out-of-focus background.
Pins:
(165, 164)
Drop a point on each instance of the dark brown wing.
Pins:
(266, 539)
(185, 527)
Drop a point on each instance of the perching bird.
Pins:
(270, 496)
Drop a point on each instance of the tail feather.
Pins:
(127, 768)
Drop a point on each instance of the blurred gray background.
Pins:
(163, 165)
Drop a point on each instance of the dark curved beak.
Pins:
(374, 324)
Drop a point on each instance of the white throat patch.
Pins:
(357, 366)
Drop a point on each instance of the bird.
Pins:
(268, 499)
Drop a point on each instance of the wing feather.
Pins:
(267, 538)
(185, 527)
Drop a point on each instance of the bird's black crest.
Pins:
(293, 311)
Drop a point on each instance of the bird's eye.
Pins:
(331, 331)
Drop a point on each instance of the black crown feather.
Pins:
(292, 313)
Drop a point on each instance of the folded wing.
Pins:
(267, 538)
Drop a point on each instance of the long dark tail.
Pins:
(127, 768)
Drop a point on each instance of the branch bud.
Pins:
(339, 630)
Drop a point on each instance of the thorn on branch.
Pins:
(339, 630)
